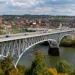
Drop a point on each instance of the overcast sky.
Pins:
(48, 7)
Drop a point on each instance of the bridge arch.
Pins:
(49, 40)
(62, 37)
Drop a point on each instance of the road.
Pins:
(31, 34)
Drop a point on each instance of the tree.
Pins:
(6, 65)
(21, 69)
(64, 67)
(1, 71)
(39, 66)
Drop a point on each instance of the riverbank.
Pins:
(68, 41)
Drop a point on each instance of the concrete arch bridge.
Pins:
(17, 45)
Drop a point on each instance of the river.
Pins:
(67, 53)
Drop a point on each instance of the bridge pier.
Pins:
(53, 48)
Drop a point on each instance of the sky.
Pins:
(37, 7)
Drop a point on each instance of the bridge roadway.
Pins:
(12, 37)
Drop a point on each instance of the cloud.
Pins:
(68, 9)
(54, 0)
(24, 3)
(51, 7)
(42, 10)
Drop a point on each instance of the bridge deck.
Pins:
(33, 34)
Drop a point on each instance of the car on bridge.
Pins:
(7, 36)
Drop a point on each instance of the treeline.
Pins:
(38, 67)
(27, 16)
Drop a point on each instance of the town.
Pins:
(20, 23)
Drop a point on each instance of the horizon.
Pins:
(36, 15)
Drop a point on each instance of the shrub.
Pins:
(64, 66)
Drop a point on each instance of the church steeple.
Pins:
(60, 26)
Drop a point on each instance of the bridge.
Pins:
(16, 45)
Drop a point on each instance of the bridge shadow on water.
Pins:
(54, 51)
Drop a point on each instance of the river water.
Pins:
(66, 53)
